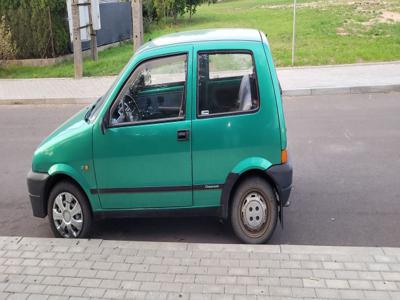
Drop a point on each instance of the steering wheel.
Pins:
(130, 109)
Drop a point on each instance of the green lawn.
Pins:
(328, 32)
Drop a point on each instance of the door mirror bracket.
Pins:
(104, 124)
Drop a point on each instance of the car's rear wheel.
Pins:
(69, 212)
(254, 211)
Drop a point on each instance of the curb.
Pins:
(44, 101)
(183, 246)
(286, 92)
(343, 90)
(373, 63)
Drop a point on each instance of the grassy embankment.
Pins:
(328, 32)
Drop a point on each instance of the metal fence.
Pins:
(116, 23)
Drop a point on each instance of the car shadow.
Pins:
(190, 230)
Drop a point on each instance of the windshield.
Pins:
(98, 104)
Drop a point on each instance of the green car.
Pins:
(194, 125)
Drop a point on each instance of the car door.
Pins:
(143, 159)
(228, 125)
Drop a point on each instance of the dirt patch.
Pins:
(365, 15)
(384, 8)
(389, 17)
(360, 16)
(315, 4)
(341, 31)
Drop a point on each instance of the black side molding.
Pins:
(154, 189)
(226, 194)
(282, 175)
(37, 188)
(159, 213)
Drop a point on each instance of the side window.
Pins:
(154, 91)
(226, 83)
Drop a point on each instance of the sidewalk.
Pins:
(37, 268)
(340, 79)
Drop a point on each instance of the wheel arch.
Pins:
(63, 173)
(233, 180)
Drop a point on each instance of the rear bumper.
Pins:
(282, 175)
(37, 188)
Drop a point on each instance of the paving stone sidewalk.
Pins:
(37, 268)
(336, 79)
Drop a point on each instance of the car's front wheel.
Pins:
(254, 211)
(69, 212)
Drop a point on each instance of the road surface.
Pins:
(346, 156)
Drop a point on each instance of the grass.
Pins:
(110, 62)
(328, 32)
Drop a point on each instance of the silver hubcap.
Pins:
(67, 215)
(254, 211)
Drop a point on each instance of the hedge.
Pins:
(39, 28)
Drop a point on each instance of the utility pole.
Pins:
(294, 31)
(93, 37)
(76, 39)
(137, 23)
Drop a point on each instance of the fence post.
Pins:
(93, 37)
(137, 21)
(294, 31)
(76, 37)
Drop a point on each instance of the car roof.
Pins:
(205, 35)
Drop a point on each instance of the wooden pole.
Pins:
(137, 24)
(93, 37)
(294, 32)
(53, 52)
(141, 21)
(76, 39)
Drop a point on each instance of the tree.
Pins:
(177, 8)
(170, 8)
(191, 6)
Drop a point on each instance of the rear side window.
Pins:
(226, 83)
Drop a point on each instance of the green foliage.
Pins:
(174, 8)
(191, 6)
(38, 28)
(7, 46)
(111, 61)
(149, 14)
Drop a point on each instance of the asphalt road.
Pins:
(346, 155)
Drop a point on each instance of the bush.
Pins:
(7, 46)
(149, 14)
(191, 6)
(175, 8)
(38, 28)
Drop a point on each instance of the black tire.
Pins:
(252, 188)
(86, 214)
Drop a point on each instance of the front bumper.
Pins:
(282, 175)
(37, 192)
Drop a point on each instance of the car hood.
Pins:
(68, 144)
(72, 126)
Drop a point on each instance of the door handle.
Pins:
(182, 135)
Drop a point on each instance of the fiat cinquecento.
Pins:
(194, 124)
